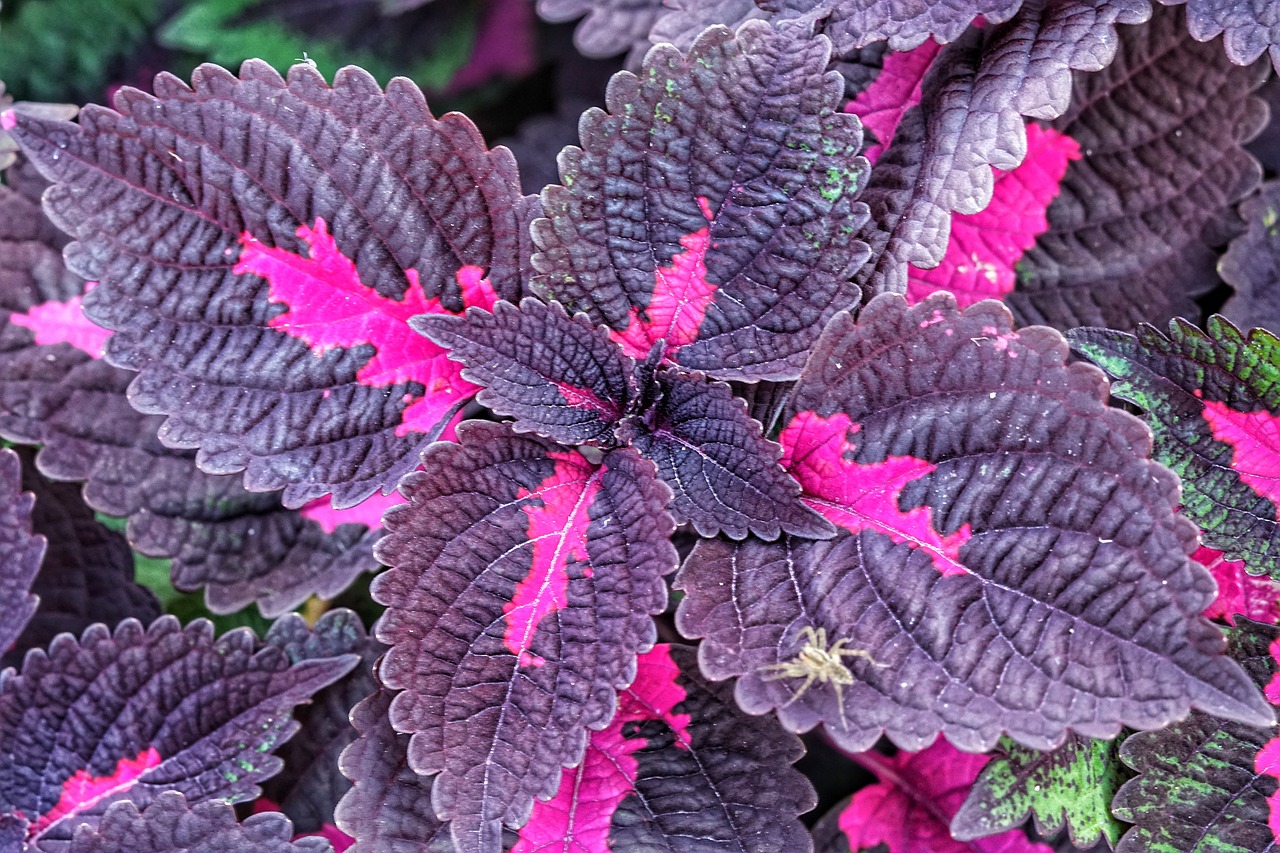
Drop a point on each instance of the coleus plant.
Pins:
(293, 329)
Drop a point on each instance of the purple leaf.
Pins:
(610, 26)
(1251, 26)
(170, 825)
(1252, 263)
(557, 376)
(969, 120)
(21, 551)
(682, 21)
(522, 581)
(137, 712)
(903, 23)
(729, 233)
(659, 778)
(1149, 201)
(909, 809)
(1015, 563)
(359, 192)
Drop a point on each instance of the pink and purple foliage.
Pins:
(770, 330)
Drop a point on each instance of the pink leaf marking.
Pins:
(368, 512)
(8, 120)
(986, 246)
(558, 523)
(578, 818)
(1256, 597)
(681, 296)
(585, 398)
(894, 91)
(817, 451)
(83, 791)
(1255, 442)
(64, 323)
(329, 306)
(1267, 761)
(910, 809)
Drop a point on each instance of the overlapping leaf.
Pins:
(1072, 785)
(1212, 398)
(208, 241)
(522, 582)
(87, 572)
(1252, 264)
(682, 21)
(1256, 597)
(902, 23)
(1207, 784)
(610, 26)
(1161, 131)
(680, 769)
(969, 121)
(139, 711)
(1014, 560)
(20, 551)
(1252, 27)
(565, 379)
(909, 809)
(170, 825)
(713, 206)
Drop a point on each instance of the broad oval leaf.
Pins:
(139, 711)
(1014, 561)
(21, 551)
(522, 583)
(712, 206)
(1212, 398)
(206, 212)
(680, 769)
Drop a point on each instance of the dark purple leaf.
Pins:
(87, 572)
(969, 120)
(903, 23)
(682, 21)
(559, 377)
(1163, 162)
(1251, 26)
(140, 711)
(1212, 398)
(1204, 783)
(170, 825)
(680, 769)
(610, 26)
(723, 473)
(1266, 145)
(1015, 563)
(1252, 264)
(712, 206)
(20, 551)
(522, 581)
(358, 198)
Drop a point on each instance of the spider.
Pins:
(817, 661)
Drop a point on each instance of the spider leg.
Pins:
(803, 687)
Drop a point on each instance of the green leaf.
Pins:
(1073, 785)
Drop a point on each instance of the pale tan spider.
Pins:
(817, 661)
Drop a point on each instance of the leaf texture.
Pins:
(139, 711)
(204, 240)
(1163, 162)
(21, 551)
(1003, 526)
(1205, 784)
(680, 769)
(969, 120)
(1256, 597)
(1252, 264)
(712, 206)
(903, 24)
(610, 26)
(1212, 399)
(1252, 27)
(523, 578)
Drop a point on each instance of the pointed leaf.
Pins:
(522, 581)
(557, 376)
(729, 231)
(1206, 784)
(270, 187)
(723, 472)
(910, 808)
(21, 551)
(969, 121)
(1072, 785)
(170, 825)
(137, 712)
(1014, 562)
(679, 769)
(1212, 399)
(1163, 162)
(1252, 263)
